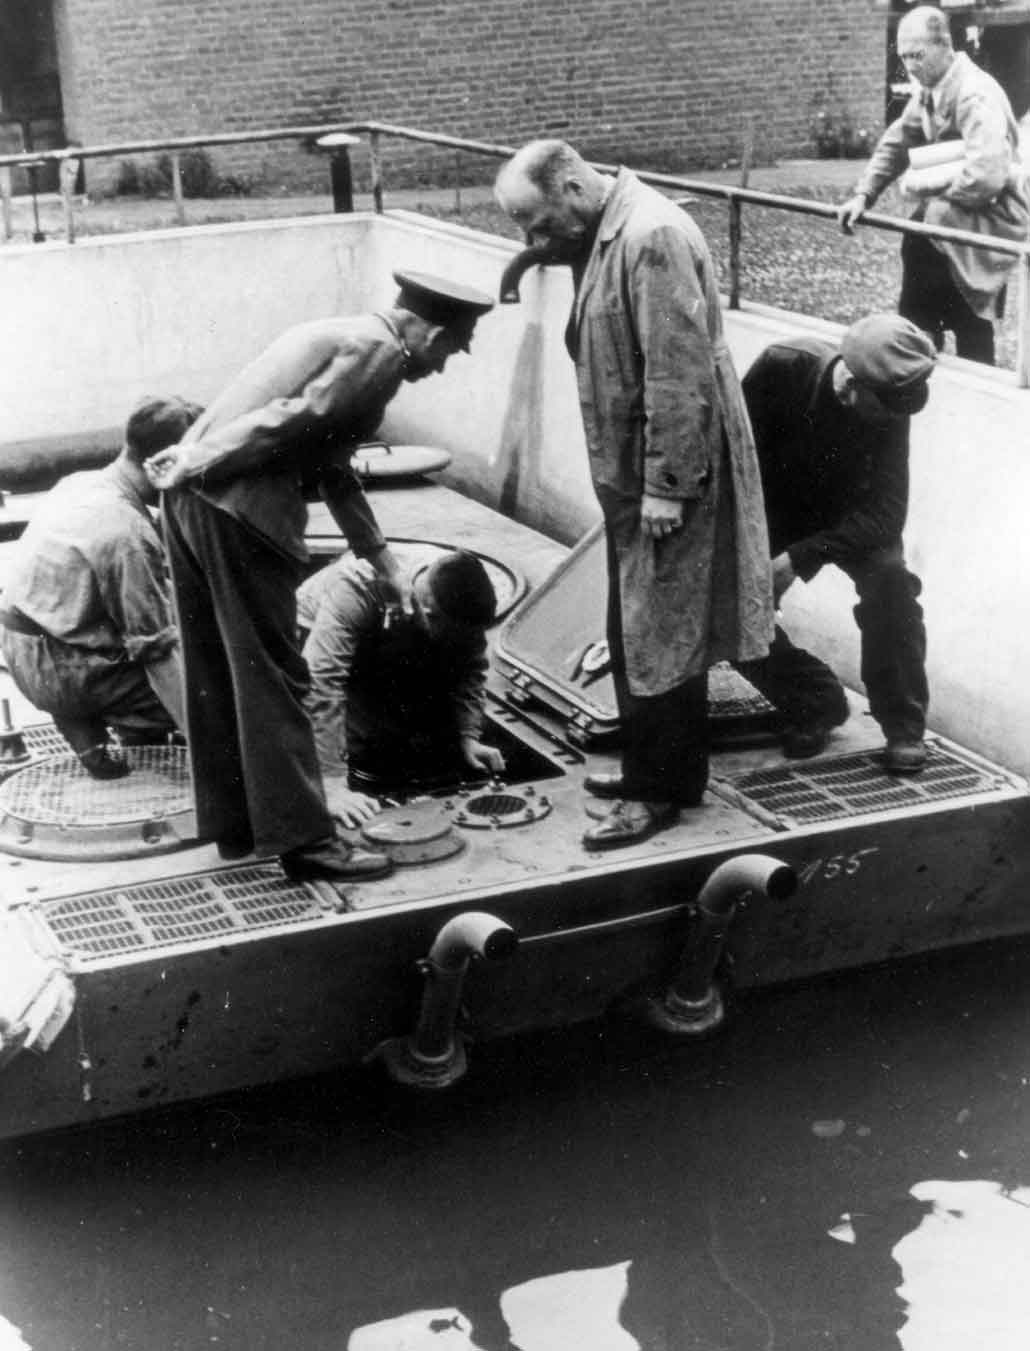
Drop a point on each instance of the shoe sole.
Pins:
(336, 874)
(904, 769)
(599, 845)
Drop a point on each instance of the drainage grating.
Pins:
(857, 785)
(179, 910)
(487, 811)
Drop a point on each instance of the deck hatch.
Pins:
(180, 910)
(51, 808)
(58, 791)
(858, 785)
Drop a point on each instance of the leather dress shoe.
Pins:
(629, 822)
(904, 755)
(334, 860)
(234, 846)
(801, 742)
(605, 784)
(101, 763)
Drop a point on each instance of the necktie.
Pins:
(929, 130)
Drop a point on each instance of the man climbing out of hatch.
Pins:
(396, 700)
(88, 630)
(235, 514)
(831, 426)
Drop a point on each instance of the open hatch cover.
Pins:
(551, 650)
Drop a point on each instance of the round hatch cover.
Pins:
(418, 833)
(415, 555)
(52, 809)
(378, 460)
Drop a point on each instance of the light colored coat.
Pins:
(664, 414)
(988, 192)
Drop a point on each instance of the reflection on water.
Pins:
(595, 1189)
(570, 1311)
(11, 1338)
(966, 1269)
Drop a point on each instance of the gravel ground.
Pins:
(797, 262)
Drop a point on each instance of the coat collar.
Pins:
(945, 92)
(616, 210)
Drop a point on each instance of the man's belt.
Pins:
(18, 623)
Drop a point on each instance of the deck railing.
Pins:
(736, 197)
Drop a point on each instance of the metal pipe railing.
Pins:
(735, 197)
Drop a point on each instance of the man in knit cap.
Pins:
(831, 427)
(396, 700)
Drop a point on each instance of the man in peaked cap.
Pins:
(88, 632)
(831, 427)
(235, 514)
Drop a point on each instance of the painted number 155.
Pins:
(837, 865)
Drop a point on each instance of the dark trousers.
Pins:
(665, 736)
(86, 691)
(932, 301)
(893, 670)
(255, 771)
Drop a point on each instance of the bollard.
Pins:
(338, 144)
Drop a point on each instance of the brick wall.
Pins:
(666, 83)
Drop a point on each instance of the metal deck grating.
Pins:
(58, 791)
(179, 910)
(858, 785)
(43, 738)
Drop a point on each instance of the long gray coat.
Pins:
(664, 414)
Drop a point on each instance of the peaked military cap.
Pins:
(439, 300)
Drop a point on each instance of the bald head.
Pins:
(924, 45)
(551, 192)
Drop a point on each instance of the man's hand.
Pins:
(783, 576)
(395, 583)
(488, 759)
(660, 516)
(850, 212)
(166, 469)
(353, 809)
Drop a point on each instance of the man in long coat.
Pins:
(672, 461)
(944, 285)
(234, 512)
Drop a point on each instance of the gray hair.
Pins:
(545, 164)
(929, 20)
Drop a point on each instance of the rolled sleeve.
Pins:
(470, 695)
(347, 607)
(134, 589)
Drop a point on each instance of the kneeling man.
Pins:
(88, 631)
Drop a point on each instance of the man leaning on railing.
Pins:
(971, 179)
